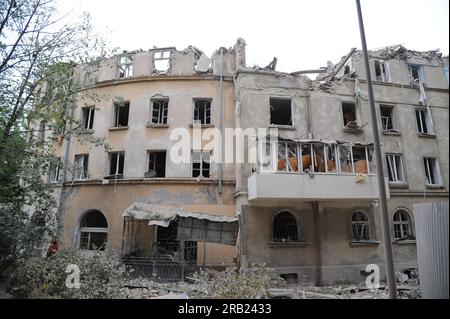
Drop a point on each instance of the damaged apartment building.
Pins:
(305, 203)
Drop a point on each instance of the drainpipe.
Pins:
(318, 224)
(62, 190)
(219, 124)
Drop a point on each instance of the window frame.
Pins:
(91, 230)
(201, 169)
(55, 171)
(88, 119)
(155, 59)
(401, 223)
(125, 68)
(385, 76)
(291, 110)
(205, 115)
(84, 167)
(420, 74)
(163, 111)
(149, 152)
(366, 223)
(427, 119)
(295, 228)
(117, 106)
(437, 171)
(393, 118)
(116, 174)
(391, 159)
(357, 116)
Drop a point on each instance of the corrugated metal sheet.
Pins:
(432, 231)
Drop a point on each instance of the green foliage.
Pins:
(38, 51)
(233, 283)
(102, 276)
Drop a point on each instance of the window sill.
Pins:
(434, 186)
(353, 130)
(404, 242)
(275, 244)
(118, 128)
(364, 243)
(432, 135)
(201, 125)
(113, 177)
(282, 127)
(157, 125)
(391, 133)
(398, 185)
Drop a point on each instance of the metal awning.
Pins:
(192, 226)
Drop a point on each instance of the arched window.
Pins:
(285, 227)
(360, 226)
(93, 231)
(402, 224)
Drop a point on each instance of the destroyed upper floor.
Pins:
(391, 65)
(167, 61)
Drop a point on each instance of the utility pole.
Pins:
(389, 260)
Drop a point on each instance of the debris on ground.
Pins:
(148, 289)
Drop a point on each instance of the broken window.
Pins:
(432, 171)
(280, 111)
(354, 159)
(387, 118)
(317, 157)
(402, 224)
(265, 157)
(423, 119)
(381, 71)
(202, 111)
(121, 111)
(360, 159)
(88, 117)
(91, 76)
(415, 74)
(93, 233)
(201, 163)
(156, 164)
(306, 154)
(360, 226)
(161, 60)
(287, 156)
(125, 66)
(116, 164)
(395, 168)
(55, 170)
(285, 227)
(81, 166)
(350, 115)
(159, 111)
(41, 132)
(330, 158)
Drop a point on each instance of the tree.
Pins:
(38, 52)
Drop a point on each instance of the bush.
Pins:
(232, 283)
(101, 276)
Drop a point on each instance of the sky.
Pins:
(301, 34)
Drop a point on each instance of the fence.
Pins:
(163, 270)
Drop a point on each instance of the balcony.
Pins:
(310, 171)
(283, 186)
